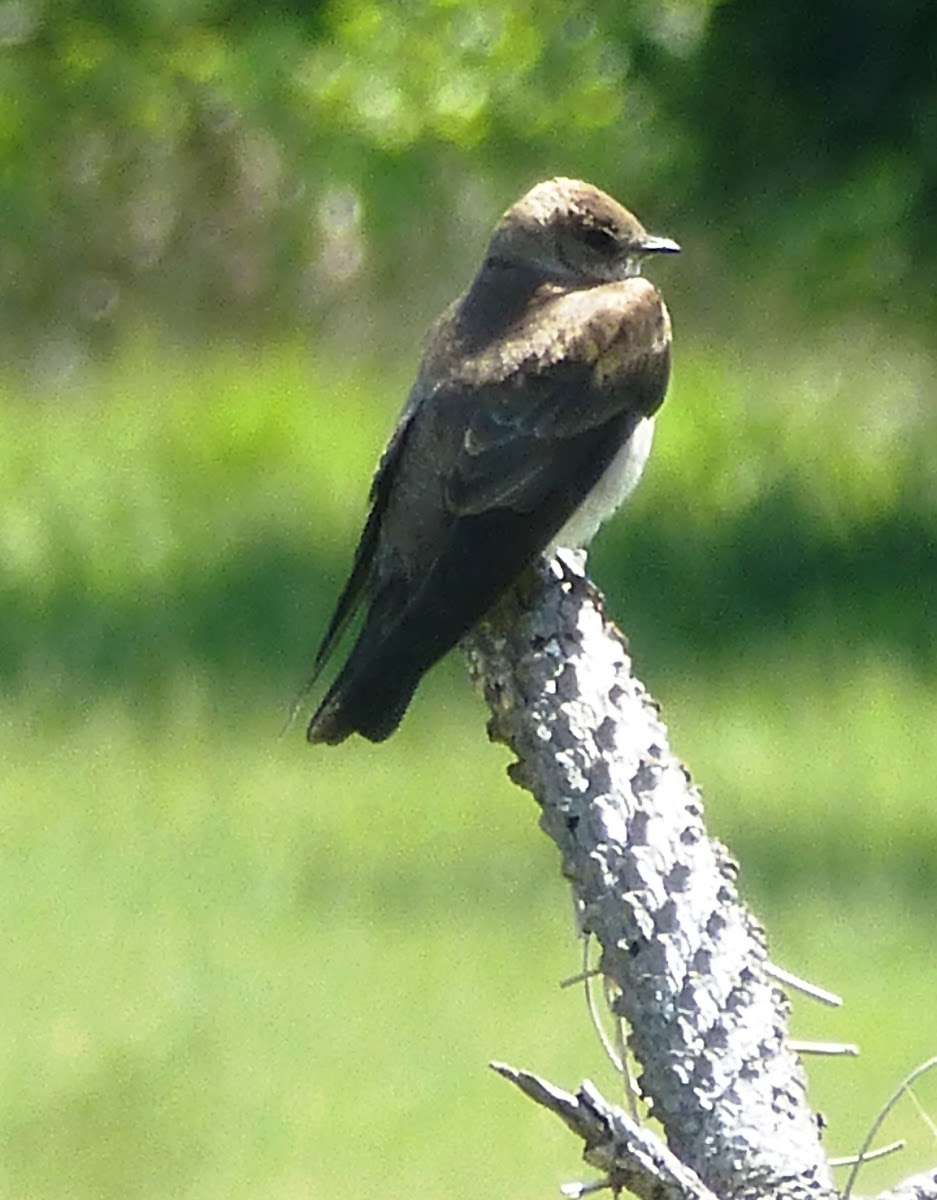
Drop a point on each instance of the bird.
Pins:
(530, 420)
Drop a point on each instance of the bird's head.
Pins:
(571, 233)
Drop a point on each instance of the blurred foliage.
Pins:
(812, 131)
(211, 165)
(236, 164)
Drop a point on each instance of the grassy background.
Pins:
(235, 966)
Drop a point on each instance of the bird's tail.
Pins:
(369, 696)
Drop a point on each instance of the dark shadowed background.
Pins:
(237, 967)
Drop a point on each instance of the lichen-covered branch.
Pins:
(916, 1187)
(686, 958)
(629, 1155)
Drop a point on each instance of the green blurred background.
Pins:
(234, 966)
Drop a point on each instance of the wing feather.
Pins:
(515, 448)
(356, 587)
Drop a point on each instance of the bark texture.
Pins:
(686, 958)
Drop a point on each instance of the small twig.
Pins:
(862, 1156)
(613, 1057)
(882, 1152)
(632, 1091)
(579, 977)
(616, 1054)
(828, 1049)
(630, 1156)
(923, 1113)
(801, 985)
(575, 1191)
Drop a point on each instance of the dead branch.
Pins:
(686, 958)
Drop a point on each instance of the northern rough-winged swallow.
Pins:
(530, 421)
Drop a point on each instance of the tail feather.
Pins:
(367, 697)
(412, 623)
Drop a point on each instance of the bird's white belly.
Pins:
(617, 482)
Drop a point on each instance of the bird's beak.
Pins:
(658, 245)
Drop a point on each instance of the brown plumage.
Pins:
(530, 420)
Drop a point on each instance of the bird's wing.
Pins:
(353, 593)
(509, 460)
(529, 434)
(552, 426)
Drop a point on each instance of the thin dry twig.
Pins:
(886, 1108)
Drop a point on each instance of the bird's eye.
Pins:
(600, 239)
